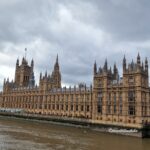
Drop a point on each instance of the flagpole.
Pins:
(25, 53)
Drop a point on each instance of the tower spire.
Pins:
(17, 62)
(115, 68)
(124, 63)
(95, 68)
(105, 65)
(57, 59)
(138, 59)
(57, 63)
(146, 64)
(56, 75)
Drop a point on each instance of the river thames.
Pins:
(19, 134)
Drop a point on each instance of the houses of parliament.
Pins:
(110, 100)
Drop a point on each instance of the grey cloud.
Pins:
(80, 31)
(126, 20)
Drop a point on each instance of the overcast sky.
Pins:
(80, 31)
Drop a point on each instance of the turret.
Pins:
(138, 59)
(17, 63)
(56, 75)
(146, 65)
(95, 68)
(24, 62)
(105, 66)
(56, 67)
(115, 72)
(132, 65)
(115, 69)
(124, 64)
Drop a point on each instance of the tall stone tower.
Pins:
(135, 89)
(24, 74)
(56, 75)
(103, 77)
(51, 81)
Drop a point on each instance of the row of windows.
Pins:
(131, 110)
(52, 107)
(100, 110)
(35, 98)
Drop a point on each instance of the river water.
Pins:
(19, 134)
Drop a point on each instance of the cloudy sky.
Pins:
(80, 31)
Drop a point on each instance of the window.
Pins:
(100, 83)
(131, 79)
(40, 106)
(62, 107)
(115, 103)
(109, 109)
(131, 110)
(131, 100)
(120, 103)
(131, 96)
(88, 108)
(109, 104)
(57, 107)
(67, 98)
(72, 98)
(76, 107)
(82, 98)
(99, 107)
(82, 107)
(76, 98)
(66, 107)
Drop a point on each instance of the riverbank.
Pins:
(111, 129)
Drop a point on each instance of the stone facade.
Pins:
(111, 100)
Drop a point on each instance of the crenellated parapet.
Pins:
(74, 89)
(104, 76)
(105, 71)
(8, 85)
(135, 72)
(135, 67)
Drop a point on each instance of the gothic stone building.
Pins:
(111, 100)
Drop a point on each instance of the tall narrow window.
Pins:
(131, 103)
(99, 106)
(115, 103)
(109, 103)
(120, 103)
